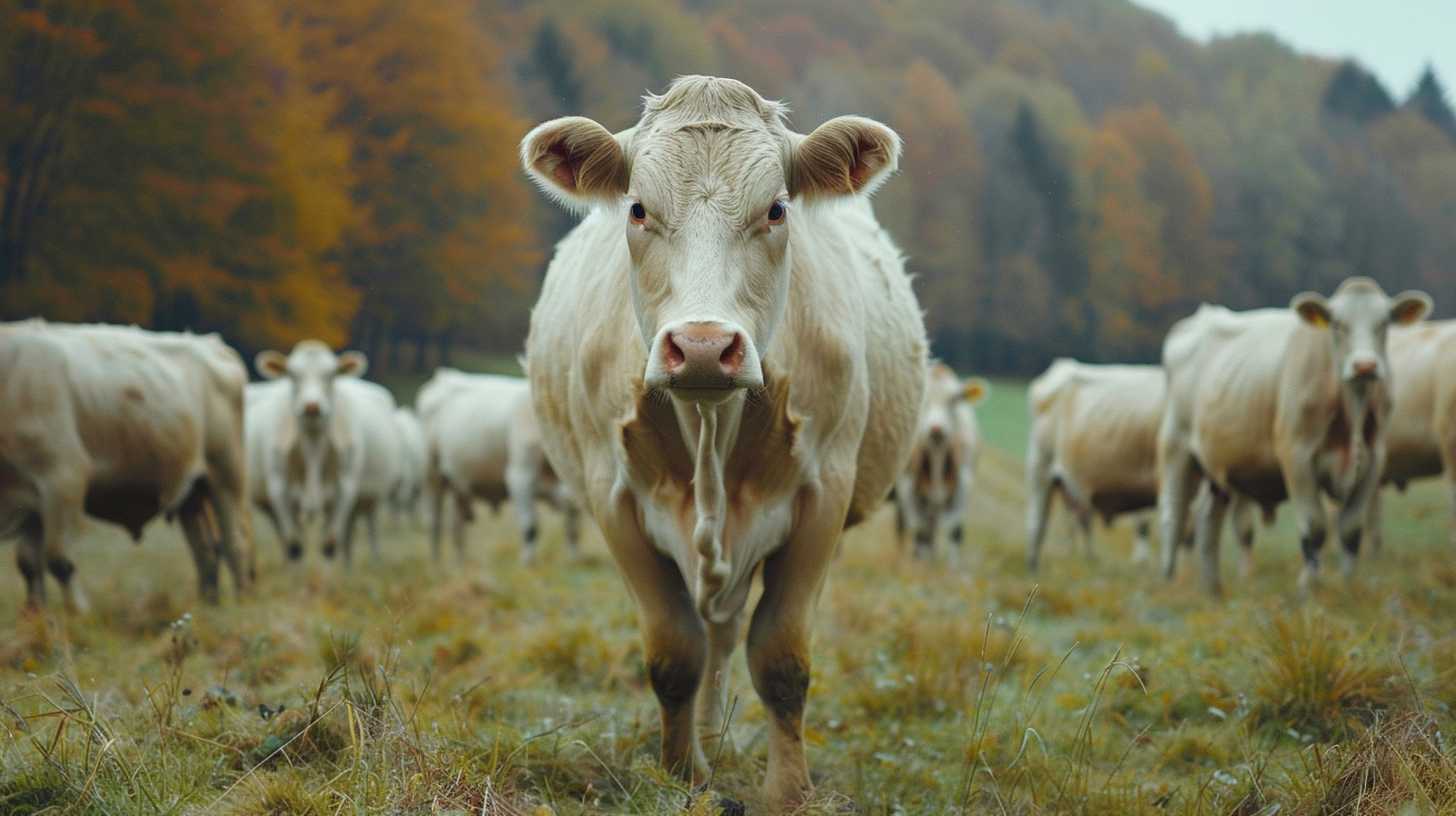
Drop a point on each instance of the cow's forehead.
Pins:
(735, 169)
(1360, 303)
(943, 383)
(307, 359)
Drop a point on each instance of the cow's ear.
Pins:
(352, 364)
(1312, 308)
(847, 155)
(975, 390)
(270, 364)
(1410, 307)
(576, 161)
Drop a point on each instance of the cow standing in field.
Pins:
(1279, 404)
(482, 442)
(728, 365)
(324, 444)
(936, 488)
(1094, 442)
(1421, 436)
(123, 425)
(414, 458)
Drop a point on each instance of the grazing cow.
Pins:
(728, 364)
(482, 442)
(1275, 404)
(405, 498)
(1094, 441)
(324, 445)
(1421, 435)
(936, 487)
(123, 425)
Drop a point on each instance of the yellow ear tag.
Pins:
(1319, 322)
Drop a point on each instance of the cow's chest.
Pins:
(754, 527)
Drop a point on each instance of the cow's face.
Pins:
(944, 395)
(1356, 320)
(706, 188)
(311, 370)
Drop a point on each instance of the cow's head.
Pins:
(705, 188)
(944, 394)
(1356, 319)
(311, 369)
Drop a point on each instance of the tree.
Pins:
(1355, 94)
(1429, 100)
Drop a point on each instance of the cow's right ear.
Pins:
(1312, 308)
(270, 364)
(576, 161)
(352, 364)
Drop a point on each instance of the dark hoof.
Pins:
(329, 550)
(295, 552)
(957, 535)
(731, 807)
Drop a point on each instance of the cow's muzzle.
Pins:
(703, 361)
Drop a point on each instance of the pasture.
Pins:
(957, 685)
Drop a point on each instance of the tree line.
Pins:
(1077, 175)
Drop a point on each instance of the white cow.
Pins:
(728, 365)
(936, 488)
(123, 425)
(325, 443)
(414, 458)
(1280, 403)
(482, 442)
(1094, 442)
(1421, 435)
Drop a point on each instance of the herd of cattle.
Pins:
(727, 367)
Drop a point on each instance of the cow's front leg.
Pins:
(204, 548)
(713, 698)
(283, 512)
(1355, 511)
(1310, 520)
(778, 645)
(342, 521)
(673, 637)
(1179, 477)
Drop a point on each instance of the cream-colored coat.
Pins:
(123, 425)
(1275, 404)
(695, 491)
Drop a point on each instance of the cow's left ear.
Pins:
(847, 155)
(577, 161)
(975, 390)
(1312, 308)
(352, 364)
(1410, 307)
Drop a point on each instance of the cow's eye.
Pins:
(637, 213)
(776, 213)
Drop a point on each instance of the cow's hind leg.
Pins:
(62, 518)
(30, 559)
(371, 522)
(1212, 507)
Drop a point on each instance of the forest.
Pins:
(1077, 174)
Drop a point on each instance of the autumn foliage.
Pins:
(1076, 176)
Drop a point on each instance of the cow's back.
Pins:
(1107, 430)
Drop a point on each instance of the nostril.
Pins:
(673, 354)
(732, 357)
(312, 409)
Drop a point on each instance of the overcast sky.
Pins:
(1395, 38)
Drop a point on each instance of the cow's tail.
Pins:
(711, 501)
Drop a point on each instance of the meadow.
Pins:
(957, 685)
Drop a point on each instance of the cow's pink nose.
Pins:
(311, 409)
(1366, 368)
(937, 433)
(705, 350)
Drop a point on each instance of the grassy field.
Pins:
(959, 686)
